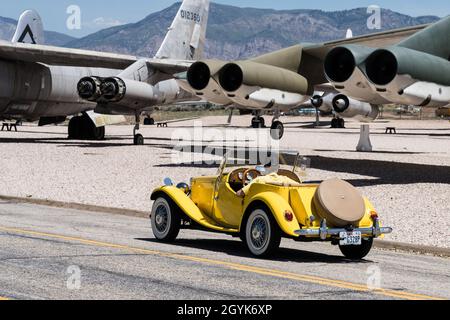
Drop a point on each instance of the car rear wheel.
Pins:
(262, 234)
(165, 220)
(357, 252)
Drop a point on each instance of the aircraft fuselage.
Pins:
(33, 90)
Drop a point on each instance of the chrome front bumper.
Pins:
(324, 232)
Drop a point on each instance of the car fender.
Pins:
(278, 206)
(189, 208)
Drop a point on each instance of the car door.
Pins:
(227, 205)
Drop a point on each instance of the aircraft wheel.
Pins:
(75, 127)
(341, 123)
(334, 123)
(277, 130)
(165, 220)
(357, 252)
(149, 122)
(258, 123)
(88, 130)
(139, 140)
(97, 133)
(262, 233)
(262, 122)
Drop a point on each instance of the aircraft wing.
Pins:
(82, 58)
(375, 40)
(169, 66)
(325, 88)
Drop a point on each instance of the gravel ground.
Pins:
(407, 177)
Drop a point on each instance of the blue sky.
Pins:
(98, 14)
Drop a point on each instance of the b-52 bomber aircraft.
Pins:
(48, 109)
(412, 68)
(43, 82)
(416, 71)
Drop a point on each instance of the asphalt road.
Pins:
(52, 253)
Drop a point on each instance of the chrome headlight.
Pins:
(184, 187)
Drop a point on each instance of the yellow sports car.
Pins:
(262, 208)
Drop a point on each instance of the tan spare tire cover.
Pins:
(339, 202)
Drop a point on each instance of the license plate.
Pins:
(353, 238)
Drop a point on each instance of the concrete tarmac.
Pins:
(53, 253)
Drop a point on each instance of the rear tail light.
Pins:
(289, 216)
(373, 215)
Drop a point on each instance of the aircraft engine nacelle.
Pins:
(89, 88)
(201, 81)
(410, 77)
(322, 103)
(126, 92)
(258, 85)
(23, 79)
(350, 108)
(342, 70)
(168, 90)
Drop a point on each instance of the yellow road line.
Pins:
(236, 266)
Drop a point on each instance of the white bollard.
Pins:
(364, 144)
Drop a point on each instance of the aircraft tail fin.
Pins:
(185, 39)
(30, 28)
(434, 39)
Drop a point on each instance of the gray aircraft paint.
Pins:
(33, 90)
(142, 86)
(183, 41)
(34, 85)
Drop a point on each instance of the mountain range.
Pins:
(233, 32)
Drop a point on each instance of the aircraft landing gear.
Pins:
(277, 130)
(149, 121)
(258, 122)
(138, 138)
(230, 116)
(82, 128)
(338, 123)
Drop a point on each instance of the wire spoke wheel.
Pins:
(262, 234)
(161, 218)
(165, 219)
(259, 233)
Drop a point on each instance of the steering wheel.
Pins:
(249, 176)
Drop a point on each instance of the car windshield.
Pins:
(223, 164)
(300, 166)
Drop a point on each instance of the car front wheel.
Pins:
(357, 252)
(262, 234)
(165, 220)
